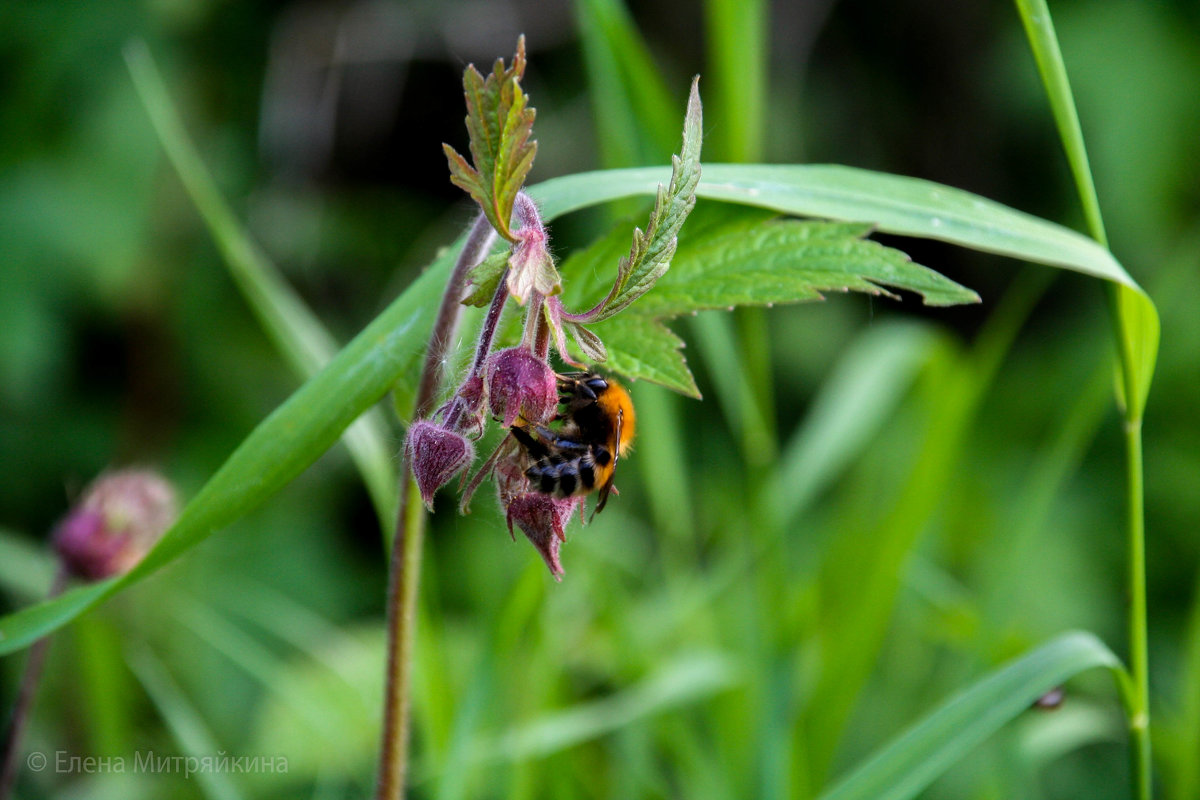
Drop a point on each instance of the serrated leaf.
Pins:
(643, 348)
(650, 254)
(785, 261)
(483, 279)
(733, 256)
(500, 124)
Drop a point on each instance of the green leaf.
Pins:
(483, 279)
(291, 325)
(732, 255)
(1137, 318)
(1138, 332)
(275, 452)
(499, 123)
(650, 255)
(589, 343)
(915, 758)
(892, 203)
(641, 347)
(785, 261)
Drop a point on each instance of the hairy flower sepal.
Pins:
(531, 267)
(543, 519)
(521, 385)
(435, 454)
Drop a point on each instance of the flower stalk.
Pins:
(405, 564)
(23, 706)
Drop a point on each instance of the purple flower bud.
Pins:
(117, 520)
(435, 455)
(543, 520)
(521, 384)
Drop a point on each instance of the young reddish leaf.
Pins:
(499, 123)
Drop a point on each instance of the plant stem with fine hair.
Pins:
(405, 565)
(23, 705)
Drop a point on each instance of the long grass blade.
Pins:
(293, 328)
(918, 756)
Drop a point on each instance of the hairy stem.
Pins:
(404, 569)
(446, 325)
(23, 705)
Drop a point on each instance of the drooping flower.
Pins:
(435, 454)
(521, 384)
(543, 520)
(117, 520)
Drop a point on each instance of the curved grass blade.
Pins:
(292, 327)
(280, 448)
(185, 723)
(310, 421)
(852, 405)
(892, 203)
(919, 755)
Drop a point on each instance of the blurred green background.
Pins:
(707, 640)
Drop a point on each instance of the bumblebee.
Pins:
(581, 456)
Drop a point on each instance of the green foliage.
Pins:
(500, 124)
(923, 501)
(744, 257)
(294, 329)
(892, 203)
(909, 764)
(650, 255)
(484, 277)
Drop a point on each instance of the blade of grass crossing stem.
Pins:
(184, 722)
(102, 685)
(737, 43)
(635, 114)
(860, 585)
(1137, 330)
(276, 451)
(292, 327)
(918, 756)
(309, 421)
(736, 33)
(893, 203)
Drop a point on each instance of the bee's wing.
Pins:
(607, 486)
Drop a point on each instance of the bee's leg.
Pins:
(551, 439)
(532, 446)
